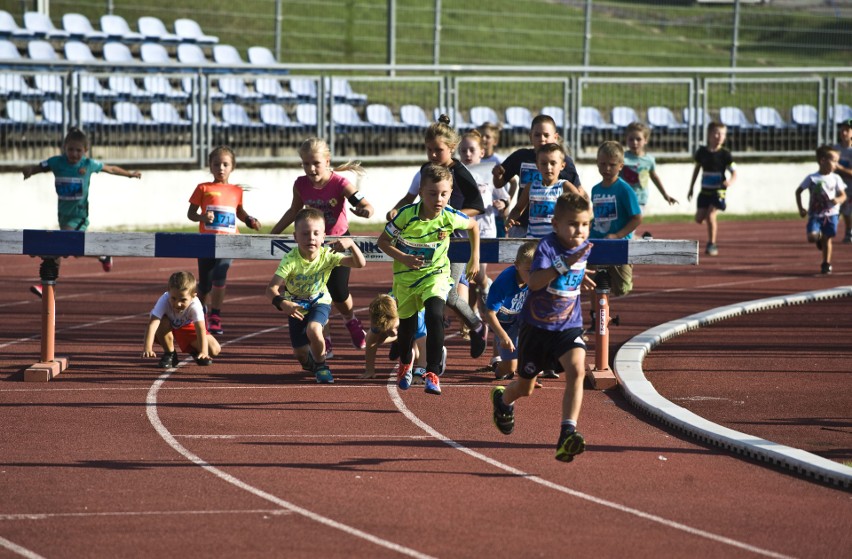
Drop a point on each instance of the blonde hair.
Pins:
(308, 213)
(611, 148)
(435, 173)
(320, 146)
(552, 148)
(640, 127)
(442, 131)
(473, 135)
(526, 252)
(182, 281)
(571, 202)
(490, 128)
(383, 312)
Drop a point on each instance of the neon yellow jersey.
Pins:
(304, 280)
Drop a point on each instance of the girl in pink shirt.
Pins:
(323, 188)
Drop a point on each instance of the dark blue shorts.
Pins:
(299, 328)
(541, 349)
(826, 225)
(716, 198)
(512, 329)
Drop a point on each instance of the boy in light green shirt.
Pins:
(418, 239)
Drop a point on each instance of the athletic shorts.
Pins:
(715, 198)
(458, 271)
(512, 329)
(410, 300)
(212, 272)
(184, 336)
(299, 328)
(541, 349)
(826, 225)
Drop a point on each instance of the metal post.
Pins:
(278, 19)
(436, 46)
(587, 36)
(392, 37)
(735, 42)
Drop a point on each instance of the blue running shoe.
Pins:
(418, 375)
(404, 375)
(433, 385)
(571, 443)
(323, 374)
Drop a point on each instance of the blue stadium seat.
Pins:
(92, 114)
(77, 51)
(306, 114)
(342, 90)
(261, 56)
(79, 27)
(235, 116)
(189, 53)
(125, 86)
(129, 113)
(14, 85)
(840, 113)
(275, 115)
(116, 27)
(167, 114)
(189, 30)
(54, 112)
(557, 114)
(19, 111)
(304, 88)
(346, 117)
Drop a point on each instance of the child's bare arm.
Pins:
(404, 201)
(116, 170)
(540, 278)
(802, 211)
(473, 238)
(628, 228)
(520, 206)
(32, 170)
(505, 340)
(415, 262)
(695, 172)
(659, 184)
(356, 257)
(201, 340)
(360, 206)
(290, 214)
(150, 333)
(251, 222)
(373, 342)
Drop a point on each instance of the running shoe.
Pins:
(106, 262)
(169, 360)
(356, 332)
(329, 353)
(712, 249)
(404, 375)
(433, 385)
(323, 374)
(36, 290)
(825, 268)
(647, 236)
(571, 443)
(214, 324)
(418, 375)
(202, 362)
(549, 373)
(495, 361)
(478, 341)
(443, 360)
(505, 421)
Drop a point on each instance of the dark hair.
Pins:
(435, 173)
(308, 213)
(543, 119)
(76, 135)
(824, 151)
(182, 281)
(571, 202)
(219, 151)
(552, 148)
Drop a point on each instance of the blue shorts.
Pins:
(826, 225)
(421, 325)
(707, 198)
(512, 329)
(541, 349)
(299, 328)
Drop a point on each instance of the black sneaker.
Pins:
(505, 422)
(549, 373)
(478, 341)
(647, 235)
(202, 362)
(571, 443)
(169, 360)
(825, 268)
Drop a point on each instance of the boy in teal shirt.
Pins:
(418, 239)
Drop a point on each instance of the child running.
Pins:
(326, 189)
(503, 307)
(418, 239)
(844, 169)
(718, 172)
(304, 274)
(827, 192)
(221, 205)
(184, 325)
(639, 166)
(551, 334)
(73, 173)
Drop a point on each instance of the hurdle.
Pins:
(52, 245)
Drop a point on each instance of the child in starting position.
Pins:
(418, 239)
(551, 334)
(221, 205)
(304, 274)
(718, 172)
(73, 172)
(184, 327)
(827, 192)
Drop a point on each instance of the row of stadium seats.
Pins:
(113, 27)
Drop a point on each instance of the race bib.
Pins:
(224, 219)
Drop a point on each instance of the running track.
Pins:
(250, 458)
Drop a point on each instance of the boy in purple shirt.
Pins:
(552, 325)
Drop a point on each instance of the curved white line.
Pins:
(22, 551)
(154, 419)
(397, 400)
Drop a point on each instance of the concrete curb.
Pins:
(642, 394)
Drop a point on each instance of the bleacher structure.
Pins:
(167, 94)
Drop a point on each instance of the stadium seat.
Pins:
(734, 117)
(519, 118)
(236, 116)
(769, 117)
(9, 28)
(275, 115)
(304, 88)
(622, 116)
(804, 115)
(663, 117)
(694, 117)
(125, 86)
(590, 117)
(79, 27)
(160, 86)
(14, 85)
(557, 114)
(76, 51)
(840, 113)
(456, 117)
(153, 29)
(19, 111)
(80, 52)
(93, 114)
(54, 112)
(345, 116)
(8, 50)
(189, 30)
(413, 116)
(129, 113)
(342, 90)
(116, 28)
(306, 114)
(228, 55)
(261, 56)
(482, 114)
(188, 53)
(154, 53)
(272, 89)
(167, 114)
(381, 116)
(51, 84)
(237, 88)
(117, 52)
(214, 120)
(41, 25)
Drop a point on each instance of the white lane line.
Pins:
(22, 551)
(305, 436)
(397, 400)
(154, 419)
(50, 515)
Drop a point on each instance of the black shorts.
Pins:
(212, 272)
(541, 349)
(707, 198)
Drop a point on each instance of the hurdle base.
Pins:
(601, 379)
(44, 371)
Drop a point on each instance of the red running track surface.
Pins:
(249, 457)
